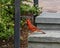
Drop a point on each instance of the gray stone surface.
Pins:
(49, 40)
(48, 21)
(48, 26)
(46, 17)
(52, 36)
(43, 45)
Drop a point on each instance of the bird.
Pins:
(33, 28)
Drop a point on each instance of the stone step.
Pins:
(46, 26)
(46, 17)
(48, 40)
(44, 45)
(50, 36)
(40, 19)
(48, 21)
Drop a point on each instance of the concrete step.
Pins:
(46, 17)
(50, 21)
(48, 26)
(50, 36)
(49, 40)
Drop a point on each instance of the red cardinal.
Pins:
(32, 27)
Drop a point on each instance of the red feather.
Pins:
(32, 27)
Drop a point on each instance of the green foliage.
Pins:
(6, 19)
(27, 9)
(7, 16)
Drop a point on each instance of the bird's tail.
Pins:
(39, 30)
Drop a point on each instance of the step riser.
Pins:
(47, 20)
(43, 45)
(49, 26)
